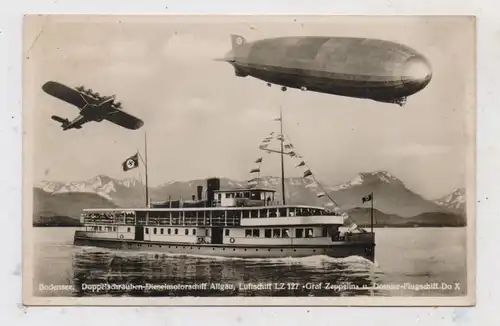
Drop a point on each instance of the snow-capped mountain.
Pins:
(364, 178)
(455, 201)
(104, 186)
(390, 194)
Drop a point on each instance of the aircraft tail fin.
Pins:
(237, 40)
(62, 121)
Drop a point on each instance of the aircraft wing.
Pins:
(124, 119)
(67, 94)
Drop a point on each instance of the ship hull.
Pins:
(337, 250)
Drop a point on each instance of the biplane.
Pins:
(92, 106)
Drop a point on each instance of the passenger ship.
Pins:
(245, 223)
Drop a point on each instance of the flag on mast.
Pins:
(253, 181)
(259, 160)
(131, 163)
(367, 198)
(301, 164)
(307, 173)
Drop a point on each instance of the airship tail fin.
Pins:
(237, 40)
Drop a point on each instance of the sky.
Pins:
(201, 120)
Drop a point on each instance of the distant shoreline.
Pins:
(38, 225)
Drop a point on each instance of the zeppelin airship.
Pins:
(366, 68)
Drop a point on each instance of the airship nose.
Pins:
(417, 70)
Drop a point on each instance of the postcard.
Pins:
(249, 160)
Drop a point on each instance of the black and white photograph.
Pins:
(248, 160)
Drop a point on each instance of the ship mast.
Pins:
(282, 139)
(146, 168)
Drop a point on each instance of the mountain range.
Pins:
(394, 203)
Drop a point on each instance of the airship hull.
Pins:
(362, 68)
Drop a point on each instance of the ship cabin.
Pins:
(247, 216)
(245, 197)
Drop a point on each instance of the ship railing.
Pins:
(359, 237)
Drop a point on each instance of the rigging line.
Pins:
(314, 177)
(142, 160)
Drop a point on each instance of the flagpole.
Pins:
(146, 168)
(282, 163)
(371, 212)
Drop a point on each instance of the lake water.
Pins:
(408, 262)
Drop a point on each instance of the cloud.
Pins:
(418, 150)
(131, 70)
(188, 47)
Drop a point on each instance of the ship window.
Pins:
(254, 213)
(233, 214)
(256, 233)
(273, 212)
(282, 212)
(246, 213)
(128, 229)
(169, 231)
(248, 232)
(228, 195)
(309, 233)
(285, 233)
(176, 231)
(263, 213)
(194, 231)
(291, 212)
(247, 194)
(267, 233)
(276, 233)
(114, 228)
(154, 230)
(219, 196)
(226, 232)
(186, 232)
(146, 230)
(207, 232)
(161, 231)
(324, 232)
(299, 233)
